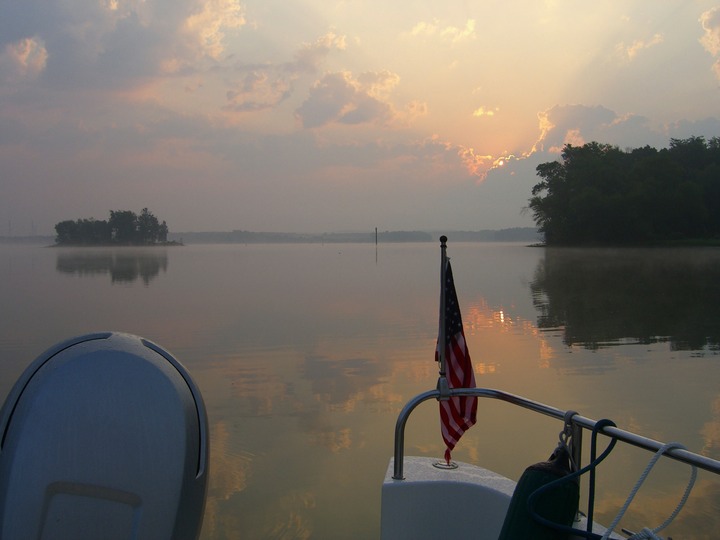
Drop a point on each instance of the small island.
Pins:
(602, 195)
(124, 228)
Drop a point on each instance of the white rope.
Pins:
(646, 534)
(652, 533)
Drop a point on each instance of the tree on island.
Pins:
(123, 228)
(601, 195)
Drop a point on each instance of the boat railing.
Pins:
(577, 421)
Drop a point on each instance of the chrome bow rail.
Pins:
(577, 421)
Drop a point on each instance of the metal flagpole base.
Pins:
(445, 465)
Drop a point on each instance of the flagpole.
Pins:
(442, 384)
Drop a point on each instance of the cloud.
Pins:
(262, 87)
(475, 163)
(204, 29)
(560, 124)
(628, 52)
(23, 60)
(413, 110)
(710, 22)
(578, 124)
(258, 92)
(485, 111)
(111, 44)
(340, 98)
(450, 33)
(682, 129)
(190, 40)
(378, 84)
(456, 34)
(310, 55)
(424, 29)
(557, 126)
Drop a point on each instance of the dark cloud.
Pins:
(366, 109)
(131, 51)
(683, 129)
(265, 86)
(104, 45)
(327, 100)
(580, 124)
(311, 55)
(258, 91)
(560, 122)
(337, 97)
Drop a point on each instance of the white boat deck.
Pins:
(431, 503)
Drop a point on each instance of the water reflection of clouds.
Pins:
(291, 523)
(651, 507)
(229, 475)
(702, 517)
(334, 440)
(341, 383)
(337, 386)
(261, 391)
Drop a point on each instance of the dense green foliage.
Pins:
(600, 194)
(123, 228)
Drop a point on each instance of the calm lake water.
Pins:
(306, 353)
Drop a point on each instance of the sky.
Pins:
(329, 116)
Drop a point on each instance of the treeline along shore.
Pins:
(598, 194)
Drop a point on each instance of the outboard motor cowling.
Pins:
(103, 436)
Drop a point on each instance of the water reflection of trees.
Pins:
(124, 266)
(604, 296)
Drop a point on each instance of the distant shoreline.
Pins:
(515, 234)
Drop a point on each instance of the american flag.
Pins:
(457, 414)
